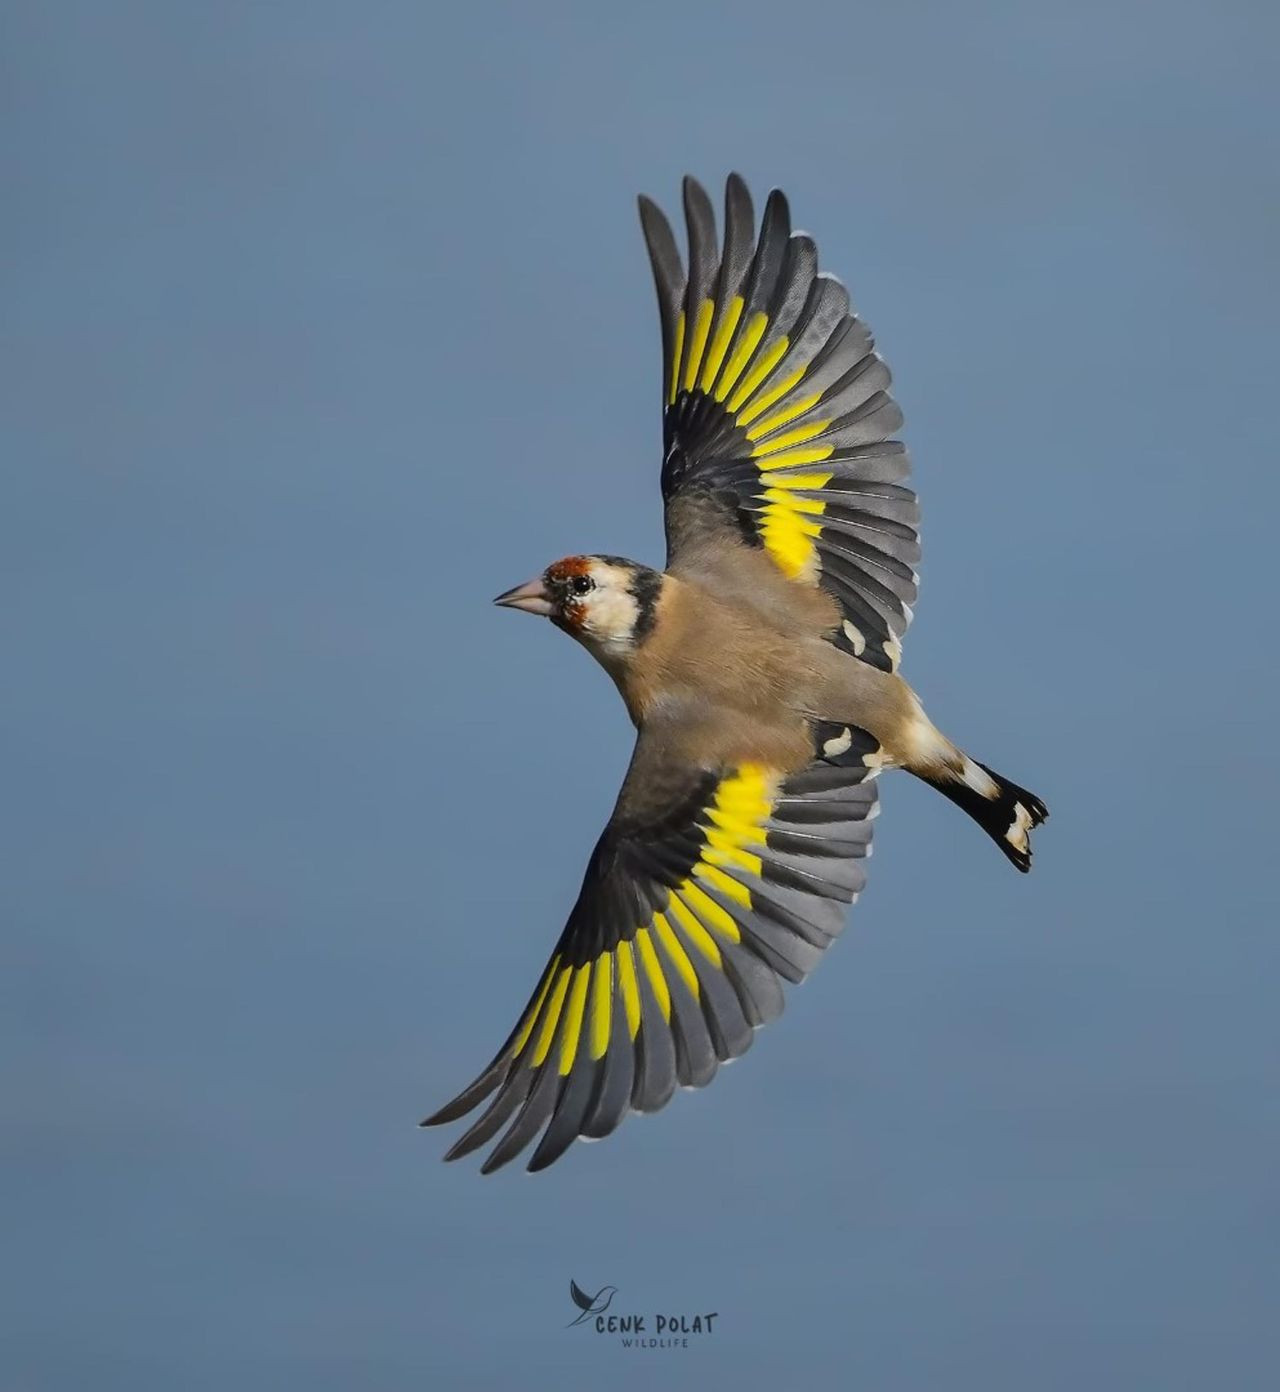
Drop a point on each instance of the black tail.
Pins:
(1004, 811)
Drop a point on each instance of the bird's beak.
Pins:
(532, 597)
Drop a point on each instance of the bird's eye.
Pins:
(582, 584)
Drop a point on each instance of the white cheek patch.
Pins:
(1016, 836)
(610, 615)
(610, 612)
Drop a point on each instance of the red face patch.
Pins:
(559, 577)
(568, 568)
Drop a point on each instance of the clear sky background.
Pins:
(324, 323)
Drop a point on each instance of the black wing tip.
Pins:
(653, 220)
(493, 1163)
(451, 1111)
(778, 206)
(664, 255)
(466, 1101)
(736, 190)
(472, 1095)
(693, 192)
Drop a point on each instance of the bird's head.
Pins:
(607, 603)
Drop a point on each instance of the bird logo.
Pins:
(590, 1305)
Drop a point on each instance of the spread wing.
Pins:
(777, 415)
(708, 888)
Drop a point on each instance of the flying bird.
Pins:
(760, 669)
(590, 1305)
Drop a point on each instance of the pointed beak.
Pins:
(532, 597)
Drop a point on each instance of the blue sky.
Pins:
(324, 323)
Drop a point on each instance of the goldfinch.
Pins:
(760, 671)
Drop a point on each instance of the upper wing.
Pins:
(777, 415)
(706, 887)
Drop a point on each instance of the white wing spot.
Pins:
(833, 748)
(854, 635)
(1016, 836)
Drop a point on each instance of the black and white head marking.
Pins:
(607, 602)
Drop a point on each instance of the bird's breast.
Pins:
(706, 653)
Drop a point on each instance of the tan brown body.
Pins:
(749, 666)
